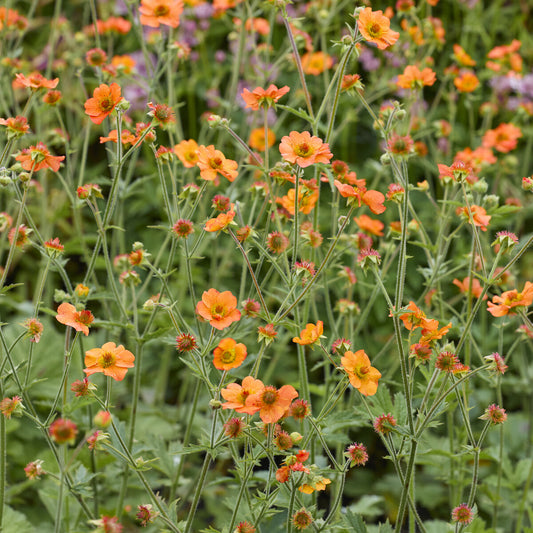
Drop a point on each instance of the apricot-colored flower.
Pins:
(478, 216)
(416, 318)
(79, 320)
(311, 334)
(124, 64)
(236, 395)
(257, 139)
(306, 201)
(304, 149)
(414, 78)
(219, 308)
(105, 99)
(263, 97)
(319, 484)
(466, 82)
(504, 138)
(110, 359)
(16, 126)
(370, 225)
(187, 152)
(314, 63)
(272, 403)
(35, 81)
(505, 303)
(222, 221)
(373, 199)
(375, 27)
(430, 335)
(212, 162)
(126, 136)
(156, 12)
(363, 376)
(229, 354)
(465, 284)
(462, 57)
(38, 157)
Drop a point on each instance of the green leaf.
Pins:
(15, 522)
(354, 522)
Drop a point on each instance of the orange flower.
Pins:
(156, 12)
(186, 152)
(306, 201)
(222, 221)
(126, 136)
(370, 225)
(260, 97)
(105, 99)
(219, 308)
(375, 27)
(212, 162)
(272, 403)
(236, 395)
(319, 484)
(416, 318)
(373, 199)
(477, 215)
(228, 354)
(477, 159)
(124, 63)
(504, 138)
(311, 334)
(35, 81)
(462, 57)
(38, 157)
(466, 82)
(465, 284)
(79, 320)
(257, 138)
(304, 150)
(363, 376)
(314, 63)
(414, 78)
(430, 335)
(110, 359)
(505, 303)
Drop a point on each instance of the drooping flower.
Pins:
(236, 395)
(79, 320)
(414, 78)
(229, 354)
(311, 334)
(38, 157)
(263, 97)
(318, 483)
(156, 12)
(375, 28)
(107, 524)
(110, 359)
(272, 403)
(508, 302)
(464, 287)
(212, 162)
(34, 470)
(219, 308)
(504, 138)
(362, 375)
(476, 215)
(304, 150)
(35, 329)
(146, 514)
(8, 406)
(63, 431)
(370, 225)
(416, 318)
(35, 81)
(16, 126)
(222, 221)
(373, 199)
(105, 99)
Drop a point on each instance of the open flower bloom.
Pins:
(304, 149)
(263, 97)
(126, 137)
(373, 199)
(156, 12)
(228, 354)
(79, 320)
(506, 303)
(105, 99)
(416, 318)
(272, 403)
(363, 376)
(314, 63)
(504, 138)
(310, 334)
(478, 216)
(317, 484)
(219, 308)
(431, 335)
(465, 285)
(306, 201)
(235, 395)
(414, 78)
(466, 82)
(212, 162)
(370, 225)
(110, 359)
(375, 27)
(186, 152)
(35, 81)
(221, 222)
(38, 158)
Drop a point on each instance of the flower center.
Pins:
(269, 397)
(361, 371)
(218, 311)
(161, 10)
(303, 150)
(107, 359)
(215, 162)
(228, 356)
(106, 104)
(374, 30)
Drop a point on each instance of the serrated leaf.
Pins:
(355, 522)
(368, 505)
(15, 522)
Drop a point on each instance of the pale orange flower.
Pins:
(110, 359)
(362, 375)
(462, 57)
(229, 354)
(222, 221)
(263, 97)
(124, 63)
(466, 82)
(370, 225)
(314, 63)
(219, 308)
(38, 158)
(79, 320)
(465, 284)
(477, 159)
(416, 318)
(236, 395)
(186, 152)
(306, 201)
(311, 334)
(478, 216)
(319, 484)
(506, 303)
(504, 138)
(272, 403)
(126, 136)
(257, 139)
(373, 199)
(156, 12)
(212, 162)
(414, 78)
(35, 81)
(105, 99)
(375, 27)
(304, 149)
(430, 335)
